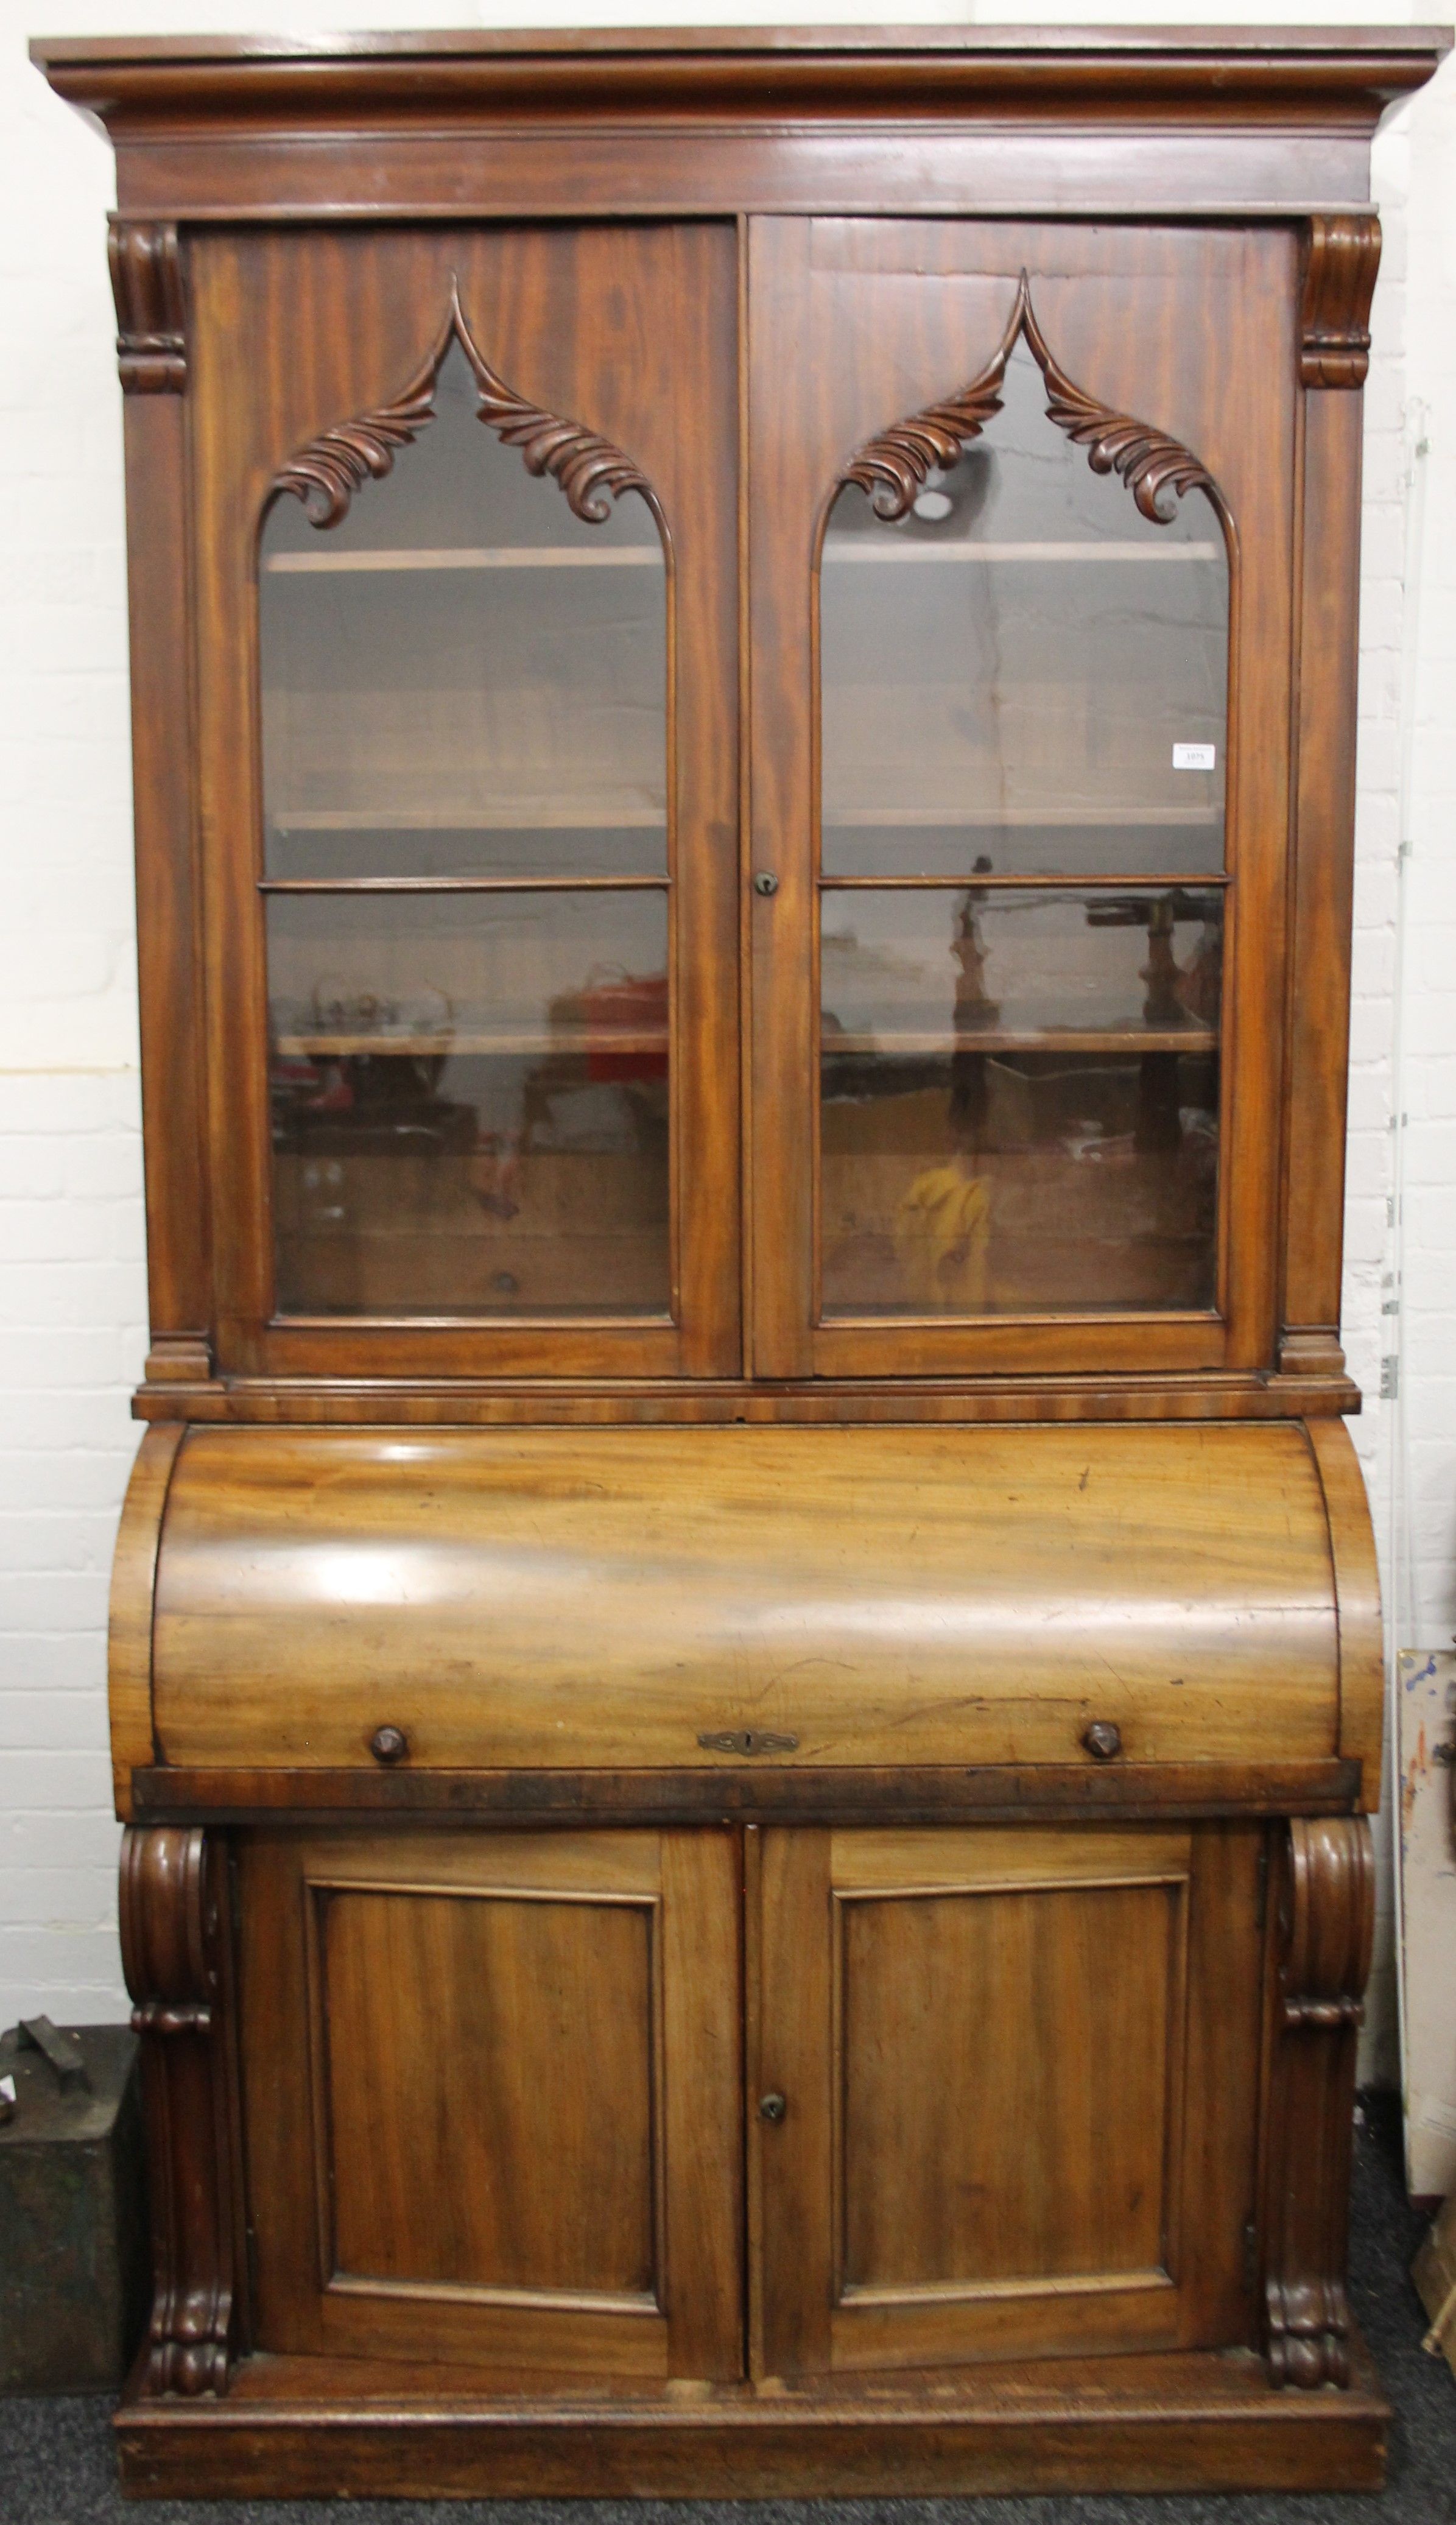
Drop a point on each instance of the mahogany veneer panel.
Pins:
(567, 1598)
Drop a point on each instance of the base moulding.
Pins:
(1197, 2420)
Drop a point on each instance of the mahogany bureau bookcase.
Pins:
(745, 1665)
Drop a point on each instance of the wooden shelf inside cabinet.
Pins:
(312, 565)
(837, 819)
(1080, 1039)
(599, 1041)
(532, 818)
(849, 548)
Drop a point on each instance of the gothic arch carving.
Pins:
(589, 468)
(894, 466)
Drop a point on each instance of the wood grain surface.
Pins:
(881, 1595)
(499, 2079)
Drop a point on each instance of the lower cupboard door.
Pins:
(492, 2098)
(1006, 2083)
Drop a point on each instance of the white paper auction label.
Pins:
(1195, 758)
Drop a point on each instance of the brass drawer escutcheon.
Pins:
(747, 1740)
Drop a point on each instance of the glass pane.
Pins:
(463, 678)
(1020, 1096)
(1024, 675)
(470, 1098)
(462, 681)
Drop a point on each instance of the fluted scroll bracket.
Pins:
(151, 312)
(1341, 256)
(171, 1951)
(1325, 1927)
(589, 469)
(894, 468)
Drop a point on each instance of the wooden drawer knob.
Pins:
(1103, 1741)
(389, 1744)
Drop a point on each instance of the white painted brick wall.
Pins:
(71, 1290)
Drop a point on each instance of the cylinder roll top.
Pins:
(691, 1597)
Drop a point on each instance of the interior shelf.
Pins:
(525, 818)
(1000, 1038)
(467, 557)
(588, 1040)
(854, 548)
(838, 818)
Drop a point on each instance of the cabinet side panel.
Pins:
(1319, 1009)
(178, 1258)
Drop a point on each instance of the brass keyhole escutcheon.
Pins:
(389, 1745)
(765, 882)
(772, 2108)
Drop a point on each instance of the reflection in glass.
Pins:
(470, 1098)
(1023, 671)
(465, 693)
(462, 678)
(1019, 1099)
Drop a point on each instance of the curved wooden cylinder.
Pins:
(660, 1598)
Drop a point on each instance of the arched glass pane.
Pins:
(1023, 679)
(1024, 669)
(464, 715)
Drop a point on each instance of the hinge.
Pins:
(1251, 2256)
(1261, 1885)
(1390, 1377)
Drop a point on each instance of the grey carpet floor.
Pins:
(56, 2463)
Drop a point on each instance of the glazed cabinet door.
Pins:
(463, 511)
(492, 2098)
(1021, 520)
(1003, 2092)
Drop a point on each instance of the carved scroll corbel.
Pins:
(1326, 1930)
(172, 1941)
(151, 312)
(1341, 256)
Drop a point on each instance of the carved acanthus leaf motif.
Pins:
(893, 468)
(589, 469)
(150, 315)
(326, 473)
(1148, 459)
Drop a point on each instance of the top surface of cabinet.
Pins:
(770, 785)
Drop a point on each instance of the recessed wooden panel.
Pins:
(492, 2096)
(1020, 2073)
(454, 2031)
(1007, 2064)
